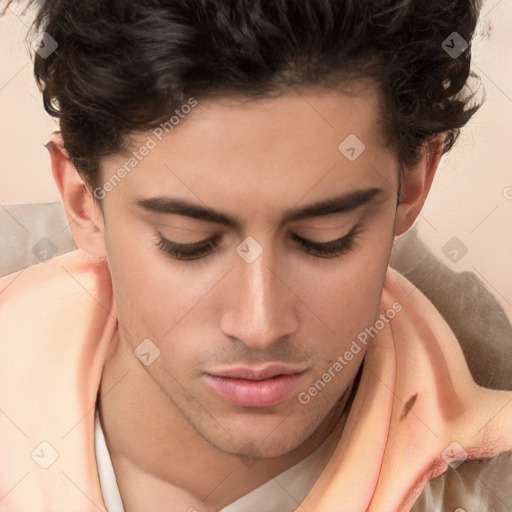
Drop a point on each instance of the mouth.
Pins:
(249, 387)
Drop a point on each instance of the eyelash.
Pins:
(194, 251)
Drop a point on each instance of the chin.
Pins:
(258, 442)
(259, 449)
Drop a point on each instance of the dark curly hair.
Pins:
(123, 66)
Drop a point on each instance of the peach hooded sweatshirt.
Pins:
(417, 407)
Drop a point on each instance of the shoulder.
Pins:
(55, 275)
(38, 300)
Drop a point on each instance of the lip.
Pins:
(266, 372)
(249, 387)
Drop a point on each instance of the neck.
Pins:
(159, 458)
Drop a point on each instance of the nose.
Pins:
(260, 308)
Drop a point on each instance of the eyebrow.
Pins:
(343, 203)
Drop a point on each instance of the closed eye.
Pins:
(329, 249)
(197, 250)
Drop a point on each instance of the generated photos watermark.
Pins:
(305, 397)
(150, 143)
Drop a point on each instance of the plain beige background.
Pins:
(470, 205)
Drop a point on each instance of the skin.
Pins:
(173, 440)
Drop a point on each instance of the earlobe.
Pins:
(84, 216)
(416, 184)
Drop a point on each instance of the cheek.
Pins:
(151, 293)
(345, 295)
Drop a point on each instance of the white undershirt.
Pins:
(108, 482)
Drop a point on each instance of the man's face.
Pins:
(257, 297)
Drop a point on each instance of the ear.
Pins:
(416, 183)
(83, 213)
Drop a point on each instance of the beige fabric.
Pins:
(31, 233)
(475, 316)
(476, 485)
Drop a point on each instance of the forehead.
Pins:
(270, 151)
(300, 116)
